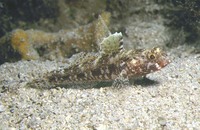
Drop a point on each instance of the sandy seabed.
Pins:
(170, 101)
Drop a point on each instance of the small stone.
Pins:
(2, 108)
(102, 127)
(162, 121)
(12, 110)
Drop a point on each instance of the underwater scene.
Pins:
(99, 64)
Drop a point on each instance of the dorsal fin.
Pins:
(108, 43)
(112, 44)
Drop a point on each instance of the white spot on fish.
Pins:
(133, 61)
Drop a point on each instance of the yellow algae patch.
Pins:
(19, 42)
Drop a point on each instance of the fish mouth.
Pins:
(164, 63)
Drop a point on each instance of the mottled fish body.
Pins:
(112, 62)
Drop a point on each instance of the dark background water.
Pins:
(180, 17)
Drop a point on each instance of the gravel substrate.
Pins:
(169, 101)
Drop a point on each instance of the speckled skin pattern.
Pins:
(112, 62)
(127, 63)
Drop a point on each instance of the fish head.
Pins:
(143, 62)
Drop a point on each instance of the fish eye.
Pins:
(152, 56)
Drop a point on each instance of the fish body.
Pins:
(112, 62)
(128, 63)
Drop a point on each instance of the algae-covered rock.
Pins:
(36, 44)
